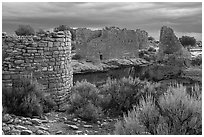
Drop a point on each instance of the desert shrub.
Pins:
(85, 101)
(141, 120)
(182, 112)
(148, 114)
(25, 98)
(119, 96)
(130, 125)
(48, 103)
(42, 32)
(89, 112)
(178, 113)
(195, 91)
(61, 28)
(155, 90)
(25, 30)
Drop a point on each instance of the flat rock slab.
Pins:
(42, 128)
(88, 126)
(26, 132)
(20, 127)
(36, 121)
(59, 132)
(74, 127)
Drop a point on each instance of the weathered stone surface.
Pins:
(17, 121)
(15, 132)
(171, 59)
(6, 128)
(88, 126)
(20, 127)
(170, 46)
(39, 132)
(26, 132)
(58, 132)
(27, 123)
(46, 133)
(74, 127)
(42, 128)
(36, 121)
(78, 132)
(6, 118)
(83, 67)
(109, 43)
(24, 126)
(169, 43)
(118, 62)
(75, 119)
(23, 54)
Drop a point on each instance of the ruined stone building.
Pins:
(109, 43)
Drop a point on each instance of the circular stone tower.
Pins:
(46, 59)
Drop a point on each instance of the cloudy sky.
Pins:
(184, 18)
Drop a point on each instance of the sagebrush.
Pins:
(85, 101)
(26, 98)
(175, 113)
(119, 96)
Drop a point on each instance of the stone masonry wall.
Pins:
(46, 59)
(109, 43)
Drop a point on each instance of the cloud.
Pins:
(183, 16)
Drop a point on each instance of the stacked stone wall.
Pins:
(109, 43)
(46, 59)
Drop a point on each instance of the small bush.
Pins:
(25, 98)
(25, 30)
(61, 28)
(41, 32)
(85, 101)
(48, 103)
(119, 96)
(89, 112)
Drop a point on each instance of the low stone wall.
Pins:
(46, 59)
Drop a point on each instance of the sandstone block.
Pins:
(20, 127)
(26, 132)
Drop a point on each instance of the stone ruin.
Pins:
(47, 59)
(171, 58)
(171, 50)
(109, 43)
